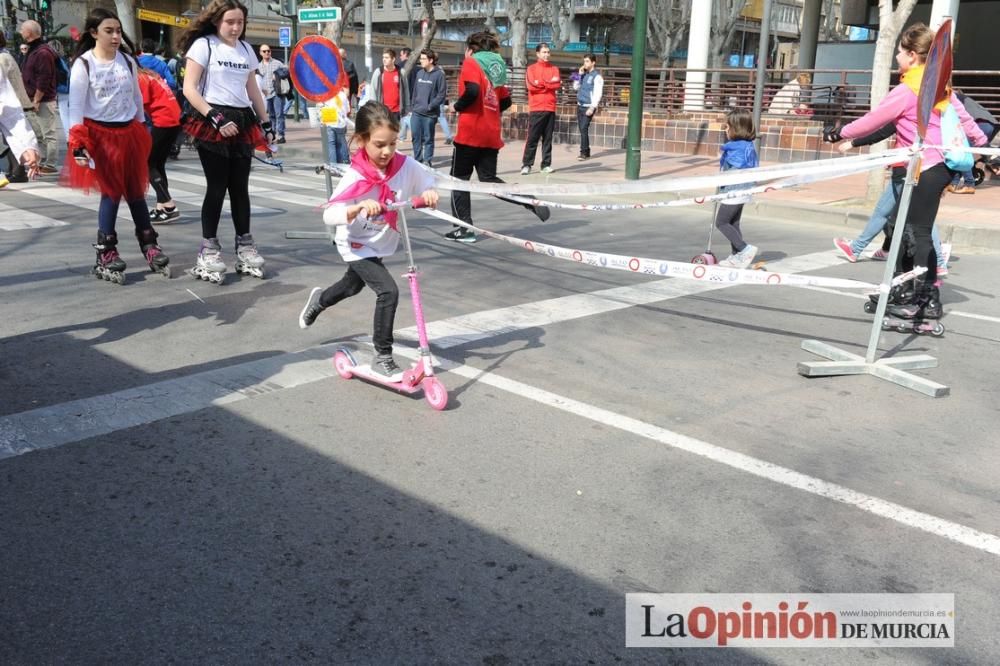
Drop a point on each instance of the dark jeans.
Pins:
(728, 222)
(336, 142)
(107, 214)
(225, 173)
(541, 126)
(163, 140)
(583, 120)
(423, 136)
(276, 113)
(369, 272)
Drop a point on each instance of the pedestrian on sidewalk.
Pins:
(481, 100)
(334, 113)
(230, 121)
(737, 152)
(11, 71)
(39, 75)
(589, 85)
(965, 182)
(389, 86)
(883, 215)
(366, 230)
(543, 82)
(352, 79)
(275, 102)
(16, 135)
(428, 94)
(108, 140)
(900, 107)
(164, 113)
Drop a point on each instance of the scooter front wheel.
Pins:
(344, 363)
(705, 259)
(435, 393)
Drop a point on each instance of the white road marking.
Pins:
(17, 219)
(56, 425)
(487, 324)
(898, 513)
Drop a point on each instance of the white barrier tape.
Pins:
(722, 197)
(978, 150)
(678, 269)
(836, 165)
(841, 165)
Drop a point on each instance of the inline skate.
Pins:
(248, 260)
(157, 260)
(209, 265)
(920, 314)
(109, 264)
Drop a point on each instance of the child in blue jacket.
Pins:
(736, 153)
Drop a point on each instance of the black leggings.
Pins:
(924, 203)
(728, 222)
(163, 139)
(225, 173)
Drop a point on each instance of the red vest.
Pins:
(479, 124)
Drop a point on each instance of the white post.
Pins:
(698, 39)
(368, 38)
(944, 9)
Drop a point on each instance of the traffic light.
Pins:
(282, 7)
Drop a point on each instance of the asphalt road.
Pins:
(184, 479)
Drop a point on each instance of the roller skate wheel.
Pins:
(938, 329)
(118, 278)
(166, 272)
(870, 307)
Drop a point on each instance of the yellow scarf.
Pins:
(912, 78)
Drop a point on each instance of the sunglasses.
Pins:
(265, 51)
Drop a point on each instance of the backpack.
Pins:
(282, 82)
(62, 76)
(953, 137)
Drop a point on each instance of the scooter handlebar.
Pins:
(412, 202)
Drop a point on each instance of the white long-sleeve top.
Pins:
(363, 238)
(108, 93)
(13, 125)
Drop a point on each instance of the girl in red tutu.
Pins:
(108, 143)
(221, 87)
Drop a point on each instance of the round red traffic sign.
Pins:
(316, 68)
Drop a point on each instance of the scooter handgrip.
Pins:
(418, 202)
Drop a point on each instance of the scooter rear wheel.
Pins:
(435, 393)
(705, 259)
(344, 363)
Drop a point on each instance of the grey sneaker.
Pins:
(525, 170)
(547, 169)
(467, 236)
(385, 366)
(311, 309)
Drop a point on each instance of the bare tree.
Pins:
(668, 23)
(725, 16)
(425, 42)
(518, 13)
(334, 30)
(828, 28)
(890, 24)
(559, 14)
(126, 16)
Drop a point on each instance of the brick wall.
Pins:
(782, 140)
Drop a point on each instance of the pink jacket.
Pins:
(900, 107)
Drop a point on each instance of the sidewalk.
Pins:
(968, 221)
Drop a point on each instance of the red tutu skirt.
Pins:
(249, 138)
(119, 155)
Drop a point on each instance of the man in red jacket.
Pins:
(477, 141)
(543, 83)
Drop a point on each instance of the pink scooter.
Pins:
(420, 376)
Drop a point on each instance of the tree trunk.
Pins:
(890, 25)
(126, 14)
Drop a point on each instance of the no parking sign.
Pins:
(316, 69)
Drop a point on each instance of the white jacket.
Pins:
(364, 238)
(13, 125)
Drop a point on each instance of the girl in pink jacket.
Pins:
(900, 107)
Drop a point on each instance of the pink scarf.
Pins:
(370, 178)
